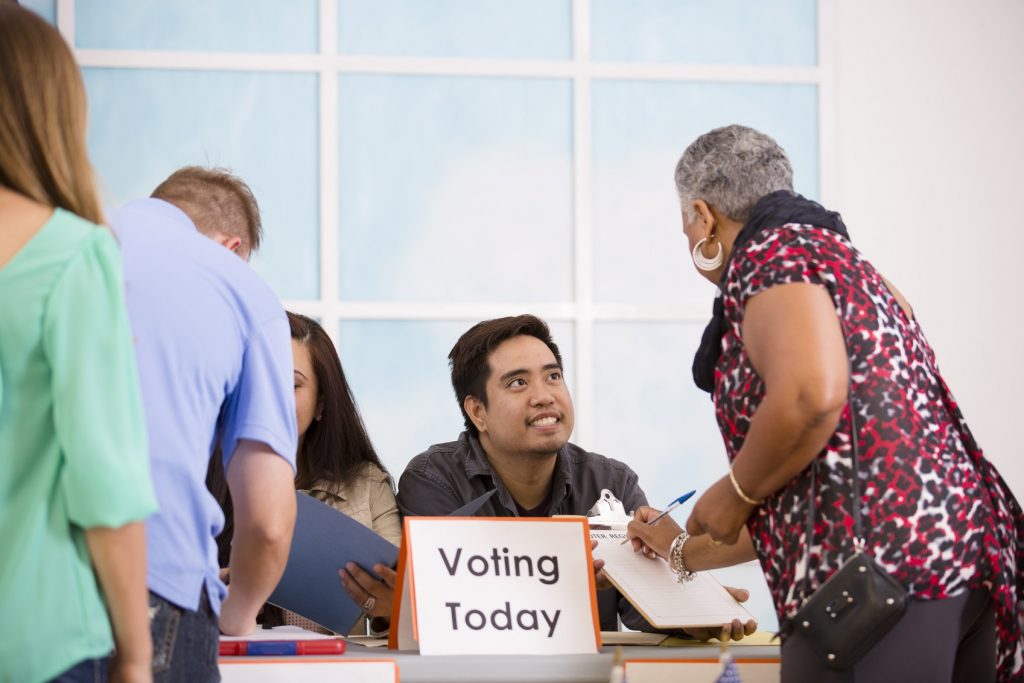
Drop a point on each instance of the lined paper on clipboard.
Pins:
(651, 587)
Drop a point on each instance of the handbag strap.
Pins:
(858, 528)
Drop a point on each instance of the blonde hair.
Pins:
(217, 201)
(43, 116)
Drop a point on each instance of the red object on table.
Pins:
(243, 648)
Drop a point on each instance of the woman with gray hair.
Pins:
(893, 549)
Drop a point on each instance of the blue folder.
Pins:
(325, 540)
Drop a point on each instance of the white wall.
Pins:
(929, 176)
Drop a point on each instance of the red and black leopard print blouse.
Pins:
(937, 515)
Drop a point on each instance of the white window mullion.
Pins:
(569, 311)
(329, 172)
(66, 20)
(429, 66)
(826, 104)
(582, 224)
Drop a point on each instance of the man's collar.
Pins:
(165, 209)
(477, 464)
(561, 485)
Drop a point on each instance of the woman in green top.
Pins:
(74, 471)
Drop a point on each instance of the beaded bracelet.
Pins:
(675, 555)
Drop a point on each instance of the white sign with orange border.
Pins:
(495, 585)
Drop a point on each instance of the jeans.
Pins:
(86, 671)
(185, 643)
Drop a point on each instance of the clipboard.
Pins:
(651, 587)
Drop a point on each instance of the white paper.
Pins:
(367, 641)
(651, 586)
(633, 638)
(280, 633)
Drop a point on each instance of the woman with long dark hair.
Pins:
(336, 464)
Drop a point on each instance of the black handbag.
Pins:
(860, 602)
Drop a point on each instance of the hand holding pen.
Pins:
(650, 535)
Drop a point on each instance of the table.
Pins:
(594, 668)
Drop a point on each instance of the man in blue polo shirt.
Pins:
(215, 367)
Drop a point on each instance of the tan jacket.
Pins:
(368, 499)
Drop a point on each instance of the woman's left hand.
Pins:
(719, 513)
(736, 630)
(374, 595)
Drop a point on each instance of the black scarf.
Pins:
(771, 211)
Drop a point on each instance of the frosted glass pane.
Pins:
(525, 29)
(781, 32)
(399, 374)
(47, 9)
(649, 414)
(639, 131)
(145, 124)
(455, 189)
(648, 411)
(221, 26)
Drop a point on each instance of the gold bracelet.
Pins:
(739, 492)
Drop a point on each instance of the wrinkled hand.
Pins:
(601, 581)
(652, 541)
(361, 586)
(734, 631)
(719, 513)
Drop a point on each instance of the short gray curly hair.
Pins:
(731, 168)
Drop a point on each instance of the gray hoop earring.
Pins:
(704, 263)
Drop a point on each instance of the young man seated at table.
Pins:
(507, 376)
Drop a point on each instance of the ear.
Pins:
(229, 242)
(704, 216)
(477, 412)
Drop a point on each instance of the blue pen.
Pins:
(671, 506)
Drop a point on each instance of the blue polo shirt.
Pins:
(214, 355)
